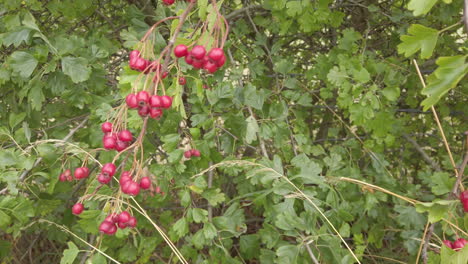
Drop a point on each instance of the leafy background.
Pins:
(313, 91)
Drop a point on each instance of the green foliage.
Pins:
(312, 91)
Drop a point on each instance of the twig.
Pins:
(423, 242)
(441, 130)
(237, 12)
(38, 160)
(87, 253)
(210, 184)
(423, 153)
(461, 171)
(311, 254)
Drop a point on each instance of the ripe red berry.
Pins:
(124, 217)
(121, 145)
(124, 177)
(113, 218)
(109, 168)
(81, 173)
(464, 196)
(180, 51)
(106, 127)
(166, 101)
(103, 178)
(62, 177)
(156, 113)
(197, 64)
(77, 208)
(459, 243)
(142, 98)
(131, 101)
(132, 222)
(182, 81)
(131, 188)
(107, 227)
(68, 175)
(134, 54)
(198, 52)
(195, 152)
(109, 142)
(122, 225)
(143, 110)
(168, 2)
(448, 243)
(216, 54)
(125, 135)
(155, 101)
(188, 154)
(221, 61)
(189, 59)
(210, 67)
(145, 183)
(465, 206)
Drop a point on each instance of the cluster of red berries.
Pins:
(80, 173)
(140, 64)
(112, 140)
(112, 221)
(131, 187)
(107, 172)
(200, 59)
(148, 105)
(464, 200)
(457, 244)
(192, 153)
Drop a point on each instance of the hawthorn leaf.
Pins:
(419, 38)
(252, 129)
(23, 63)
(437, 209)
(16, 37)
(449, 73)
(77, 68)
(70, 254)
(421, 7)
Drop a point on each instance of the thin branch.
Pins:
(38, 160)
(210, 184)
(311, 254)
(423, 153)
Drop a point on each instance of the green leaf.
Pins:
(287, 254)
(443, 183)
(249, 246)
(16, 37)
(450, 256)
(70, 254)
(181, 227)
(15, 119)
(5, 220)
(437, 210)
(421, 7)
(213, 196)
(76, 68)
(199, 215)
(419, 38)
(36, 96)
(252, 129)
(202, 7)
(336, 76)
(23, 63)
(449, 73)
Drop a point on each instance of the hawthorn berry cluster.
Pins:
(112, 221)
(170, 2)
(115, 140)
(132, 187)
(80, 173)
(457, 244)
(199, 59)
(192, 153)
(148, 105)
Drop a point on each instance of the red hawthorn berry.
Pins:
(156, 113)
(121, 145)
(155, 101)
(464, 196)
(103, 178)
(113, 218)
(62, 177)
(125, 135)
(216, 54)
(188, 154)
(168, 2)
(109, 142)
(132, 222)
(459, 243)
(107, 227)
(77, 208)
(448, 243)
(124, 177)
(106, 127)
(166, 101)
(182, 81)
(68, 175)
(189, 59)
(81, 173)
(134, 54)
(210, 67)
(465, 206)
(198, 52)
(197, 64)
(195, 152)
(143, 110)
(145, 183)
(221, 61)
(180, 51)
(133, 188)
(109, 168)
(142, 98)
(124, 217)
(131, 101)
